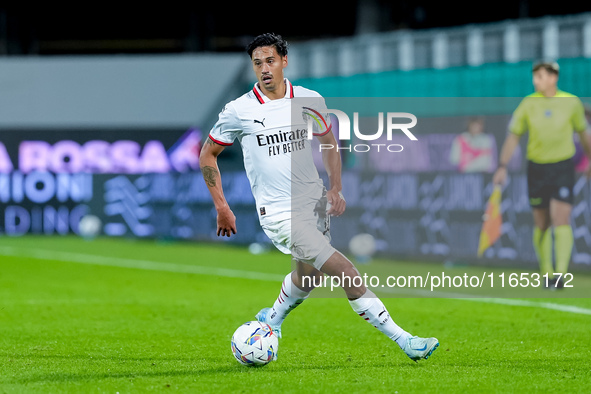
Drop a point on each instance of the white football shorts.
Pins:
(306, 236)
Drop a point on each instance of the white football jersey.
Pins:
(277, 153)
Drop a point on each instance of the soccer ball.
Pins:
(363, 246)
(89, 226)
(254, 343)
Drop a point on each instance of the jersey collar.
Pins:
(264, 99)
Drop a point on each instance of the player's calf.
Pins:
(340, 266)
(305, 276)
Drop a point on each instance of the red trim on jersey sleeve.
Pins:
(220, 142)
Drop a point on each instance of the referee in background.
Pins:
(550, 116)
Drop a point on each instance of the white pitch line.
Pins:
(489, 300)
(82, 258)
(546, 305)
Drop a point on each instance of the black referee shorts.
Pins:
(550, 181)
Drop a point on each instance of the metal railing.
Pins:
(471, 45)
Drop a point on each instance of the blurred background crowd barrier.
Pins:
(119, 137)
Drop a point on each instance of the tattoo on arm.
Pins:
(210, 175)
(208, 141)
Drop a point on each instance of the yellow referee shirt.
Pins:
(550, 122)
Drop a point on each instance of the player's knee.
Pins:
(350, 279)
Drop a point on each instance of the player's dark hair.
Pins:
(267, 40)
(551, 67)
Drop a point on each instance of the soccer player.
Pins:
(292, 202)
(550, 115)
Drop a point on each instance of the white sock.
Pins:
(372, 309)
(290, 297)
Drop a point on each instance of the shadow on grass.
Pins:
(93, 357)
(230, 369)
(57, 377)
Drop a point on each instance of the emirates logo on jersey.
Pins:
(283, 141)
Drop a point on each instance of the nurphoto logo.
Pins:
(392, 125)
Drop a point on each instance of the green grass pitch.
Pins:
(116, 315)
